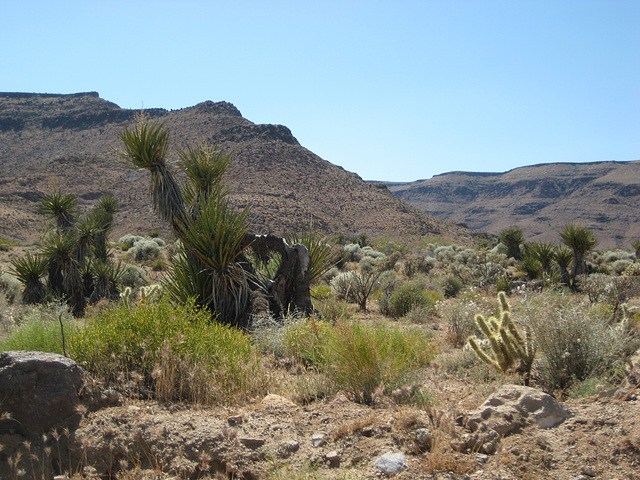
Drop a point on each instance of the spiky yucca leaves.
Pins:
(214, 235)
(30, 270)
(204, 167)
(545, 254)
(65, 279)
(581, 241)
(563, 257)
(512, 238)
(106, 276)
(507, 343)
(323, 255)
(62, 207)
(145, 148)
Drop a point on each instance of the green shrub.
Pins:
(145, 250)
(452, 286)
(362, 359)
(575, 341)
(40, 330)
(133, 276)
(177, 350)
(406, 297)
(332, 310)
(418, 264)
(306, 340)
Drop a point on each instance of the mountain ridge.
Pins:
(541, 199)
(67, 141)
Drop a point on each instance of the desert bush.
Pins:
(610, 290)
(575, 341)
(352, 252)
(619, 266)
(145, 250)
(11, 287)
(127, 241)
(333, 310)
(404, 298)
(451, 286)
(460, 322)
(177, 350)
(363, 358)
(306, 340)
(133, 276)
(444, 253)
(342, 286)
(43, 328)
(418, 264)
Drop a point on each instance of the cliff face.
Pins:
(541, 199)
(68, 141)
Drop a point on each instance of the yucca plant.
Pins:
(62, 207)
(581, 241)
(64, 278)
(545, 254)
(105, 275)
(563, 257)
(512, 238)
(30, 270)
(214, 235)
(204, 167)
(145, 148)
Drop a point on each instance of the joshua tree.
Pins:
(581, 241)
(66, 256)
(636, 246)
(563, 258)
(62, 207)
(512, 238)
(212, 265)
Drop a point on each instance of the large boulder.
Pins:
(38, 391)
(514, 407)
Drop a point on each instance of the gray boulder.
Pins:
(514, 407)
(37, 392)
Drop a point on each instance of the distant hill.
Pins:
(541, 199)
(67, 141)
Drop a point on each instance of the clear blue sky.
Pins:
(392, 90)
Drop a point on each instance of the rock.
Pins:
(251, 442)
(317, 440)
(391, 463)
(423, 438)
(286, 448)
(276, 402)
(39, 391)
(333, 458)
(514, 407)
(589, 471)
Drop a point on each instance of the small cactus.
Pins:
(511, 351)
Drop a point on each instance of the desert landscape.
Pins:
(188, 295)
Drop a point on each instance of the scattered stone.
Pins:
(286, 448)
(333, 458)
(391, 463)
(252, 442)
(317, 440)
(481, 458)
(423, 438)
(588, 471)
(235, 419)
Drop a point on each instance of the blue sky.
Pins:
(392, 90)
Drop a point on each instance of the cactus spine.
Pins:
(511, 350)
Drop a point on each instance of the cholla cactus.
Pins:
(511, 351)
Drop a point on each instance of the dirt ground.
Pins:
(339, 439)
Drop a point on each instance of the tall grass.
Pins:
(177, 351)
